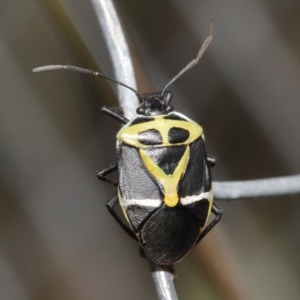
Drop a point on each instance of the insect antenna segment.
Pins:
(195, 61)
(84, 71)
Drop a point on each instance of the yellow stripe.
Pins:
(129, 133)
(169, 182)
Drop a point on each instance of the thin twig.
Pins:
(119, 53)
(232, 190)
(163, 277)
(123, 69)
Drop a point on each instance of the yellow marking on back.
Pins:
(169, 182)
(129, 133)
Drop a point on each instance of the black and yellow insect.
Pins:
(165, 186)
(164, 181)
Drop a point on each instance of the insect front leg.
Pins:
(114, 113)
(111, 203)
(217, 211)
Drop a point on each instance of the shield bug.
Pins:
(165, 186)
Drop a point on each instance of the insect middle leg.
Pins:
(111, 203)
(217, 211)
(103, 173)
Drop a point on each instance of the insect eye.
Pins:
(178, 135)
(150, 137)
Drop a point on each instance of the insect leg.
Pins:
(211, 161)
(111, 203)
(217, 211)
(103, 173)
(114, 113)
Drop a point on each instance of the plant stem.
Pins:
(123, 69)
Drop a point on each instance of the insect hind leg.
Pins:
(111, 203)
(217, 211)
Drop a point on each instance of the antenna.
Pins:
(195, 61)
(85, 71)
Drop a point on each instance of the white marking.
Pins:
(157, 202)
(191, 199)
(141, 202)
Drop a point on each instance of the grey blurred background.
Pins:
(57, 240)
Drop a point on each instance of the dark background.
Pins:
(57, 240)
